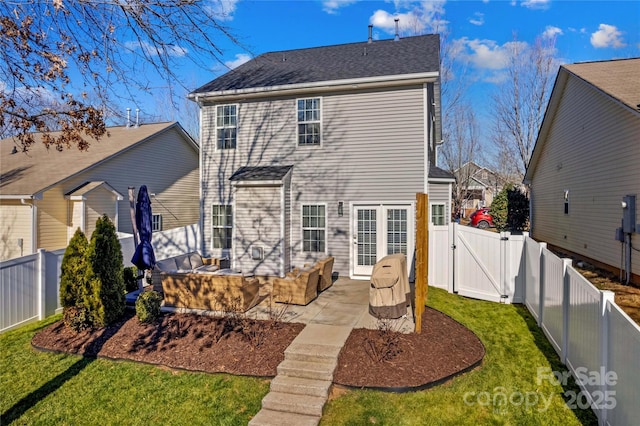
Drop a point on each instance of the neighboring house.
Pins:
(586, 159)
(45, 194)
(476, 186)
(321, 151)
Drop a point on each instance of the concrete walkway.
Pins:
(301, 387)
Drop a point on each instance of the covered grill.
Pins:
(389, 294)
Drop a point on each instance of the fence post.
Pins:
(42, 284)
(606, 298)
(566, 263)
(541, 284)
(504, 266)
(451, 243)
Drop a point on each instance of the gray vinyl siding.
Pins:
(372, 151)
(258, 222)
(440, 193)
(15, 220)
(592, 149)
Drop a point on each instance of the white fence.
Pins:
(594, 338)
(597, 341)
(30, 285)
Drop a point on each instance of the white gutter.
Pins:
(37, 196)
(349, 83)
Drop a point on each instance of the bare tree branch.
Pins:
(63, 63)
(519, 103)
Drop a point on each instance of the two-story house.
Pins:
(321, 151)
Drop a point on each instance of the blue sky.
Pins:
(584, 30)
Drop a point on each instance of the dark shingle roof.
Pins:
(260, 173)
(411, 55)
(438, 173)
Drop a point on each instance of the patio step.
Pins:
(312, 352)
(300, 386)
(280, 418)
(307, 370)
(292, 403)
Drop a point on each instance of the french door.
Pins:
(379, 230)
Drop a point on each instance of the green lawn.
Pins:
(503, 391)
(47, 388)
(51, 389)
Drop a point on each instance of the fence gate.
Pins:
(480, 259)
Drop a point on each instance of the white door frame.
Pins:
(364, 273)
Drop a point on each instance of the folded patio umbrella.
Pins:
(144, 257)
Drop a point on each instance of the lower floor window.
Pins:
(437, 214)
(222, 226)
(313, 228)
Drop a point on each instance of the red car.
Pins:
(481, 218)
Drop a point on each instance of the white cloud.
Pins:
(223, 9)
(332, 6)
(153, 51)
(426, 17)
(478, 19)
(241, 58)
(551, 32)
(607, 36)
(536, 4)
(486, 54)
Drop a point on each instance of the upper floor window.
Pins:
(309, 121)
(156, 222)
(226, 126)
(222, 225)
(313, 228)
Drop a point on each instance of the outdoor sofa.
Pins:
(193, 282)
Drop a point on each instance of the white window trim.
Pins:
(326, 225)
(213, 247)
(215, 122)
(152, 222)
(320, 121)
(444, 213)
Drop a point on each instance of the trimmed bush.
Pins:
(105, 296)
(77, 318)
(130, 275)
(148, 306)
(510, 210)
(73, 271)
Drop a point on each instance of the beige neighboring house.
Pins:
(586, 159)
(477, 186)
(45, 194)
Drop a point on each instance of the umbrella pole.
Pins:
(132, 211)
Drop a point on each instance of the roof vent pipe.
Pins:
(370, 34)
(137, 117)
(397, 37)
(128, 117)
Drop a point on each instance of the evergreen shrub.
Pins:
(148, 306)
(73, 271)
(105, 296)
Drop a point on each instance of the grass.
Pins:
(47, 388)
(496, 393)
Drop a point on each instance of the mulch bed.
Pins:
(213, 345)
(443, 349)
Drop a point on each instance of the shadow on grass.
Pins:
(29, 401)
(585, 416)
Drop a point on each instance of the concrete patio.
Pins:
(345, 303)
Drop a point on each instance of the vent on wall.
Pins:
(257, 253)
